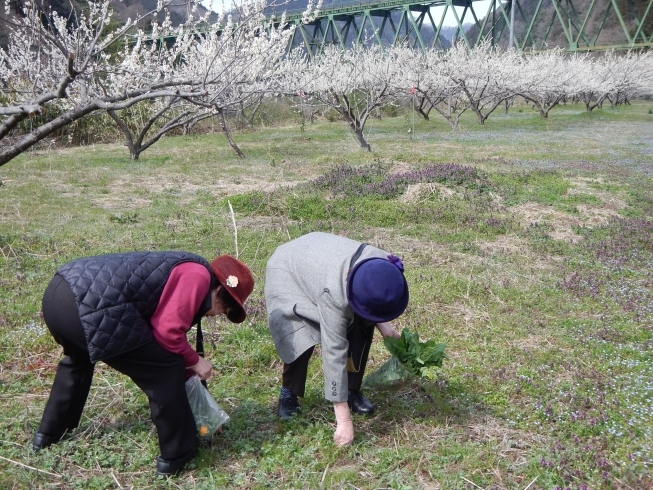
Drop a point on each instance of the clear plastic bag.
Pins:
(209, 416)
(390, 376)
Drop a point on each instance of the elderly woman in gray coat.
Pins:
(327, 289)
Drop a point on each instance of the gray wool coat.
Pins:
(305, 294)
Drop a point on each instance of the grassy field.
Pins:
(528, 246)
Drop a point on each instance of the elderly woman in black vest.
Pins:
(132, 311)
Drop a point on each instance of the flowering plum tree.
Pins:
(161, 115)
(594, 80)
(228, 63)
(545, 78)
(65, 73)
(70, 72)
(631, 76)
(354, 82)
(237, 65)
(481, 74)
(428, 74)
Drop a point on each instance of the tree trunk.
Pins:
(225, 130)
(361, 139)
(423, 104)
(476, 110)
(453, 122)
(451, 117)
(479, 115)
(134, 153)
(356, 128)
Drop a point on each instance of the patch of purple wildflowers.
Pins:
(374, 180)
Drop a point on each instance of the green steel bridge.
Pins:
(575, 25)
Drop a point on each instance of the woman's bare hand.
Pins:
(344, 434)
(204, 369)
(388, 330)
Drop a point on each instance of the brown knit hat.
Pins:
(237, 280)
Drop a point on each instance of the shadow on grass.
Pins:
(438, 403)
(256, 434)
(251, 425)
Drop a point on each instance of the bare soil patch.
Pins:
(122, 192)
(518, 252)
(400, 168)
(588, 215)
(583, 185)
(531, 213)
(513, 446)
(506, 244)
(596, 215)
(531, 343)
(422, 191)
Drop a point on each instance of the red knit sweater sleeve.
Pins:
(187, 286)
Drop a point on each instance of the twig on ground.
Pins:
(116, 480)
(233, 220)
(30, 467)
(132, 440)
(324, 474)
(469, 481)
(534, 480)
(469, 282)
(624, 484)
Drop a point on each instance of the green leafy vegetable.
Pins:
(417, 357)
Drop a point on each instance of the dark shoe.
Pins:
(288, 404)
(359, 404)
(41, 441)
(171, 467)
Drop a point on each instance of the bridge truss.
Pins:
(576, 25)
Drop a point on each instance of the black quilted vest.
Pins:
(117, 295)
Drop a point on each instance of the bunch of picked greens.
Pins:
(414, 355)
(410, 359)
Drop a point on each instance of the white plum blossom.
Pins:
(78, 70)
(354, 82)
(547, 78)
(177, 75)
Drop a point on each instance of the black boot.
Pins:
(288, 404)
(41, 441)
(171, 467)
(359, 404)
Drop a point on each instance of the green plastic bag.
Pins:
(411, 359)
(390, 376)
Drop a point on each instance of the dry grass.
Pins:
(517, 344)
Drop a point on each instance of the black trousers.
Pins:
(359, 335)
(158, 372)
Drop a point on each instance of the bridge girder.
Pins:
(581, 23)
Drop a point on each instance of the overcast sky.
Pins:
(480, 8)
